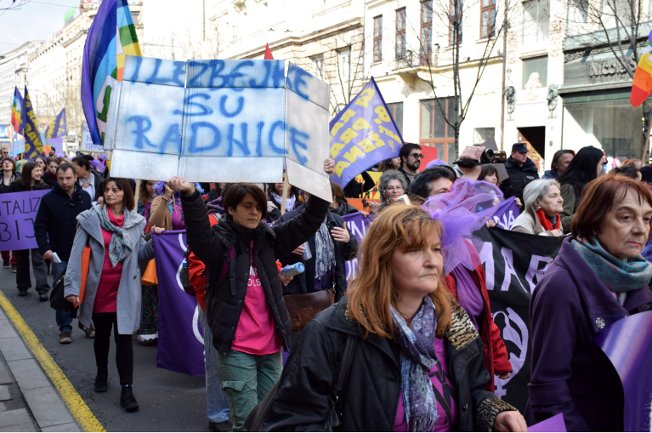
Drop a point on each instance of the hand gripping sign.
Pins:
(220, 121)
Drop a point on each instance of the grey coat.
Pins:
(128, 302)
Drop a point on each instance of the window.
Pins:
(426, 32)
(400, 34)
(378, 38)
(535, 25)
(318, 65)
(535, 72)
(485, 137)
(396, 111)
(344, 66)
(435, 130)
(487, 18)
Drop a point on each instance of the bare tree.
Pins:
(451, 13)
(622, 27)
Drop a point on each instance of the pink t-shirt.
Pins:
(256, 334)
(107, 290)
(443, 422)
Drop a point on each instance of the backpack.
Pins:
(254, 421)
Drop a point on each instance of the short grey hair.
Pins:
(390, 175)
(535, 190)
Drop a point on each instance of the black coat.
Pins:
(19, 186)
(225, 296)
(343, 253)
(514, 185)
(370, 396)
(56, 220)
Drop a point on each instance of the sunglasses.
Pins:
(416, 155)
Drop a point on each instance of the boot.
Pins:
(101, 381)
(127, 400)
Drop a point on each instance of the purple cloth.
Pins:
(17, 214)
(555, 423)
(443, 423)
(506, 212)
(373, 124)
(628, 344)
(469, 294)
(462, 210)
(180, 345)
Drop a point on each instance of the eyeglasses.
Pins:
(416, 155)
(394, 188)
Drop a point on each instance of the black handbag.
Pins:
(57, 300)
(254, 421)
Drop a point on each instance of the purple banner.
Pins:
(357, 224)
(180, 345)
(362, 134)
(555, 423)
(17, 215)
(628, 344)
(506, 213)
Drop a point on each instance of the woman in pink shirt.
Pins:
(114, 232)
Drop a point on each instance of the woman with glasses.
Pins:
(392, 186)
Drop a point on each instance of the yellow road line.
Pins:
(76, 404)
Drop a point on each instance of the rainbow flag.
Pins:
(57, 128)
(642, 81)
(33, 143)
(110, 38)
(18, 112)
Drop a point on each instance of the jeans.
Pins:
(246, 380)
(216, 407)
(64, 318)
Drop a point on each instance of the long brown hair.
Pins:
(398, 227)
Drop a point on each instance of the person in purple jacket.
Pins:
(598, 278)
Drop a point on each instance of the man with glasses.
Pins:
(411, 157)
(521, 171)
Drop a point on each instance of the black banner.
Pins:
(513, 264)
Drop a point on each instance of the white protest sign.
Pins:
(87, 142)
(220, 121)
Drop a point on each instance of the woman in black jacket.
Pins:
(31, 179)
(244, 298)
(417, 362)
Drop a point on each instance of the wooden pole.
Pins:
(286, 191)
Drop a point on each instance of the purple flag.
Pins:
(362, 134)
(357, 224)
(180, 336)
(17, 215)
(506, 213)
(628, 345)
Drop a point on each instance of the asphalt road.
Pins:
(168, 401)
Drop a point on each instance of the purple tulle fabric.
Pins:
(462, 210)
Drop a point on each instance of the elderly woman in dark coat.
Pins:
(598, 278)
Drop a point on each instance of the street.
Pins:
(168, 401)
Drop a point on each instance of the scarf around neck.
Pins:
(120, 246)
(546, 223)
(417, 359)
(618, 275)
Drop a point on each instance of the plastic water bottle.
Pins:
(184, 276)
(292, 270)
(307, 255)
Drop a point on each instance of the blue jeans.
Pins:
(64, 318)
(216, 407)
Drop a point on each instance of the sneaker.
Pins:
(220, 426)
(127, 400)
(90, 331)
(148, 339)
(65, 338)
(43, 296)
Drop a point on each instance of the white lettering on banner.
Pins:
(487, 258)
(195, 326)
(515, 331)
(506, 221)
(510, 272)
(248, 117)
(538, 265)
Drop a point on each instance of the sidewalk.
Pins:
(28, 400)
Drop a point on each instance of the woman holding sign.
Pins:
(598, 278)
(31, 178)
(114, 233)
(244, 297)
